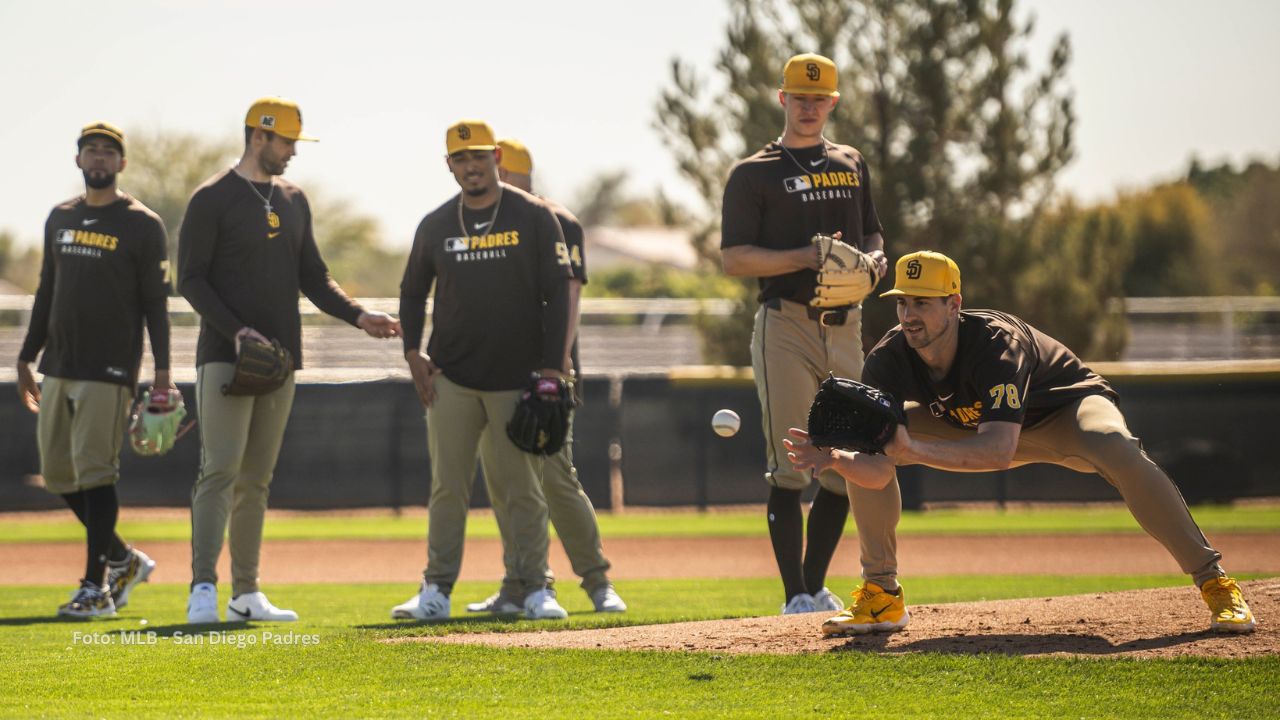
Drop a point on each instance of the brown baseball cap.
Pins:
(102, 129)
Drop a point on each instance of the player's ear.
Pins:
(124, 163)
(782, 98)
(497, 156)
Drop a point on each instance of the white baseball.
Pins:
(726, 423)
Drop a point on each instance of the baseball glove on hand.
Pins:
(851, 416)
(540, 423)
(260, 368)
(156, 423)
(846, 274)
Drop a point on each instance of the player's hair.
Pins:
(248, 134)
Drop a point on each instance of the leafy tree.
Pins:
(964, 139)
(1244, 225)
(1169, 227)
(18, 265)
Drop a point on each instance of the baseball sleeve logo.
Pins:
(812, 72)
(914, 270)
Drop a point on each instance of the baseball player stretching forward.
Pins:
(569, 508)
(774, 202)
(986, 391)
(245, 251)
(104, 271)
(497, 260)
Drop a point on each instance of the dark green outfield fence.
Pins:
(1213, 427)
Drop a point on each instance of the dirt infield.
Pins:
(1167, 622)
(345, 561)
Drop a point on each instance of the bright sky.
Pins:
(577, 80)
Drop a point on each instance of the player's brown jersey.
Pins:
(501, 302)
(571, 228)
(1004, 370)
(240, 265)
(104, 270)
(780, 197)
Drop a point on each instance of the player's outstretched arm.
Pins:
(754, 261)
(873, 472)
(991, 448)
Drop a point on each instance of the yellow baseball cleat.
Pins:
(873, 610)
(1230, 611)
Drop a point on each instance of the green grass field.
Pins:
(62, 527)
(53, 670)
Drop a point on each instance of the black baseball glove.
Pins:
(540, 423)
(851, 416)
(260, 368)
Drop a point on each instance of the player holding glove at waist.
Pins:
(809, 322)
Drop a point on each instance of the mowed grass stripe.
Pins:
(348, 673)
(62, 527)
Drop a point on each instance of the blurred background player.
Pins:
(496, 259)
(774, 202)
(569, 508)
(104, 271)
(986, 391)
(245, 251)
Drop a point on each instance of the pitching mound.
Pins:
(1167, 622)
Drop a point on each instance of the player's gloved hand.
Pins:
(849, 415)
(846, 275)
(540, 423)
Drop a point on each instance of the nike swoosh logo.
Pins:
(876, 613)
(945, 398)
(89, 221)
(481, 225)
(271, 235)
(816, 163)
(245, 614)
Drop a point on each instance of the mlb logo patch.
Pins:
(799, 183)
(456, 244)
(267, 121)
(66, 237)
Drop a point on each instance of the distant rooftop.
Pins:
(609, 247)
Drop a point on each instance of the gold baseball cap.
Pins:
(925, 274)
(279, 116)
(515, 157)
(810, 74)
(102, 129)
(469, 135)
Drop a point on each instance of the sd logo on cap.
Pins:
(469, 135)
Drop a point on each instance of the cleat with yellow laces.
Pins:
(873, 610)
(1230, 611)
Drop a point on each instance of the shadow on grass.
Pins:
(1016, 645)
(189, 629)
(53, 619)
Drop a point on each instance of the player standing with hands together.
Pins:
(809, 321)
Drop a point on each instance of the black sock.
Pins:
(102, 509)
(119, 551)
(826, 524)
(786, 530)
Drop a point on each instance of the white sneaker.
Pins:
(606, 599)
(202, 606)
(542, 605)
(801, 603)
(496, 604)
(256, 606)
(827, 601)
(428, 604)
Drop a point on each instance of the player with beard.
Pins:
(245, 251)
(104, 272)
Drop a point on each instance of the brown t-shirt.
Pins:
(571, 228)
(242, 267)
(501, 302)
(780, 197)
(104, 270)
(1004, 370)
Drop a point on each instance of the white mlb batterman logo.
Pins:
(799, 183)
(66, 237)
(456, 244)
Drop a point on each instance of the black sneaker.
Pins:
(90, 600)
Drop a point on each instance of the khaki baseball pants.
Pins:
(790, 355)
(79, 430)
(1089, 436)
(456, 422)
(240, 438)
(571, 513)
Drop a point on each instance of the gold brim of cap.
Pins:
(473, 147)
(811, 91)
(916, 292)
